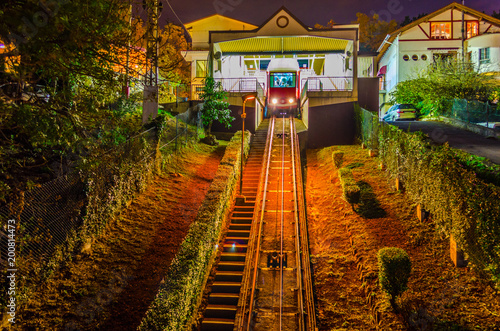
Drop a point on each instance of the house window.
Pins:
(484, 55)
(424, 57)
(406, 57)
(444, 57)
(303, 64)
(415, 57)
(201, 68)
(472, 29)
(441, 30)
(264, 64)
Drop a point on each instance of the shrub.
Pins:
(338, 159)
(394, 270)
(460, 191)
(178, 297)
(350, 189)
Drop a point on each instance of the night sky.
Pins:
(313, 11)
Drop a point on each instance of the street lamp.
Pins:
(243, 116)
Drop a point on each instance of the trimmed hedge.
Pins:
(461, 204)
(394, 268)
(177, 298)
(350, 189)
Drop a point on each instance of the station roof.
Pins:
(285, 44)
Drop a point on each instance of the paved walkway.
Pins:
(457, 138)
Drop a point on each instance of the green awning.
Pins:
(301, 44)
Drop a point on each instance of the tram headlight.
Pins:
(275, 101)
(291, 100)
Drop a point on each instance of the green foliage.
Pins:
(350, 189)
(177, 299)
(453, 186)
(214, 106)
(433, 88)
(338, 159)
(394, 270)
(373, 30)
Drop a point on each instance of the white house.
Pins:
(413, 47)
(332, 75)
(484, 52)
(198, 54)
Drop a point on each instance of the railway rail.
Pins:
(263, 279)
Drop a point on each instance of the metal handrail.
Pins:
(253, 280)
(328, 83)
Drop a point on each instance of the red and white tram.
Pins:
(283, 85)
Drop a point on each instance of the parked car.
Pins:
(401, 111)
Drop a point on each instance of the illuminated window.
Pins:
(441, 30)
(201, 68)
(282, 79)
(472, 29)
(484, 55)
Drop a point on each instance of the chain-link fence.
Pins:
(46, 216)
(476, 112)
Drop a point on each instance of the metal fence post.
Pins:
(487, 105)
(176, 131)
(467, 110)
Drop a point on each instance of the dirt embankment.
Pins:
(439, 296)
(111, 287)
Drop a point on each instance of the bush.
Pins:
(394, 270)
(350, 189)
(338, 159)
(460, 191)
(178, 297)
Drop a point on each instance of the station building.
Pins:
(331, 74)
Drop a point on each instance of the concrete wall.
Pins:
(331, 125)
(368, 93)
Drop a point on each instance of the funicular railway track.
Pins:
(263, 279)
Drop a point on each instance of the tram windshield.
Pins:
(282, 79)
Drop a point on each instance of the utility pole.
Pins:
(463, 33)
(126, 87)
(151, 95)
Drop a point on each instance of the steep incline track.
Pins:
(263, 281)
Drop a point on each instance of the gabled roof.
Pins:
(221, 16)
(283, 8)
(454, 5)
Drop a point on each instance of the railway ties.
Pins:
(263, 279)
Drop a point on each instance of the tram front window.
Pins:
(283, 79)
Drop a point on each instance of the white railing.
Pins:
(325, 83)
(243, 84)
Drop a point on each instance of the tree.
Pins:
(70, 54)
(495, 14)
(328, 25)
(408, 20)
(214, 106)
(372, 30)
(435, 87)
